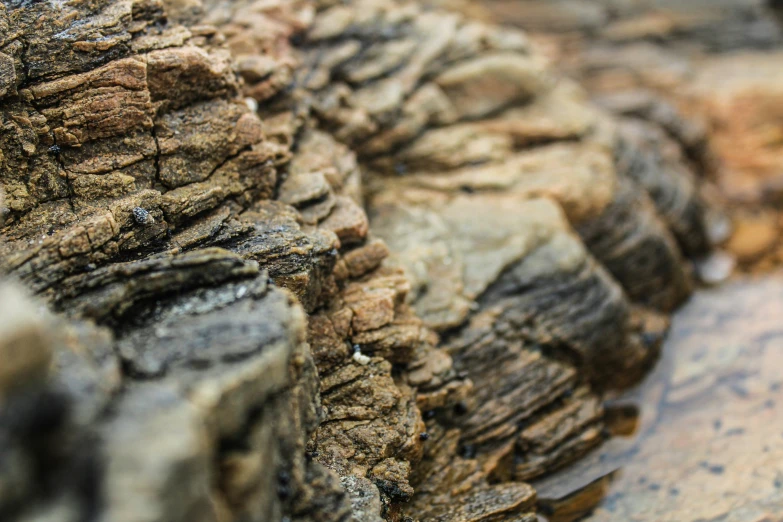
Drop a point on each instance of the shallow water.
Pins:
(707, 443)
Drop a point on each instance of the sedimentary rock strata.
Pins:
(707, 74)
(185, 186)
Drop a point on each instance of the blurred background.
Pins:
(709, 73)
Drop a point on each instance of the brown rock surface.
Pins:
(706, 73)
(168, 165)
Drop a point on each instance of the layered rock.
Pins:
(199, 410)
(704, 73)
(163, 177)
(167, 181)
(127, 160)
(515, 208)
(441, 139)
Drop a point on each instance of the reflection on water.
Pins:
(706, 443)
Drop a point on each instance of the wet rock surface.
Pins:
(317, 261)
(699, 440)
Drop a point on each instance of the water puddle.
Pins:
(702, 438)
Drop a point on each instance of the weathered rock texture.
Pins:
(701, 78)
(185, 185)
(706, 73)
(480, 164)
(138, 193)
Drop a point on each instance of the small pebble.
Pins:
(360, 358)
(252, 104)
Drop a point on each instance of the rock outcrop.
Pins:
(704, 74)
(237, 338)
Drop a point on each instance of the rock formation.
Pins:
(706, 74)
(314, 260)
